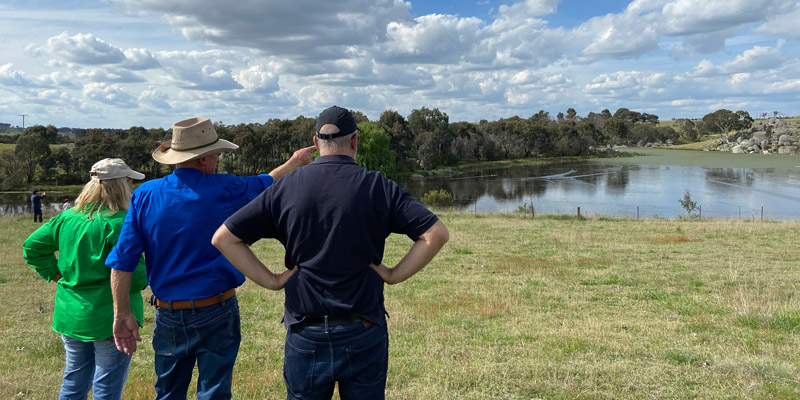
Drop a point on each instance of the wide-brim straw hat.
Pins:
(191, 138)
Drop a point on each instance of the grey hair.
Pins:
(340, 143)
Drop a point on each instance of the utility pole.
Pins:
(23, 121)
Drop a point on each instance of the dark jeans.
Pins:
(37, 213)
(354, 355)
(210, 336)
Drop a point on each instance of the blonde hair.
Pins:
(113, 195)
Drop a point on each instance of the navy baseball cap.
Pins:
(338, 116)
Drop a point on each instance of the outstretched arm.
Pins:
(126, 329)
(240, 255)
(420, 254)
(299, 158)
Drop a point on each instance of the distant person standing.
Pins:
(36, 205)
(66, 206)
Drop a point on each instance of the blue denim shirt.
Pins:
(171, 220)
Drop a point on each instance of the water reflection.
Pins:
(598, 189)
(18, 204)
(622, 190)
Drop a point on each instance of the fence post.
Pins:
(637, 213)
(762, 213)
(579, 211)
(700, 209)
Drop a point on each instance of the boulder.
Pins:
(785, 140)
(787, 149)
(759, 136)
(737, 149)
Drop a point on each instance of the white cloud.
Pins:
(308, 30)
(254, 59)
(107, 75)
(154, 98)
(208, 70)
(257, 79)
(532, 8)
(688, 17)
(617, 36)
(9, 77)
(139, 59)
(755, 59)
(520, 41)
(108, 95)
(431, 39)
(784, 25)
(81, 48)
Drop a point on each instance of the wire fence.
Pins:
(751, 213)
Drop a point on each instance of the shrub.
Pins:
(438, 198)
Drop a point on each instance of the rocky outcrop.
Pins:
(765, 136)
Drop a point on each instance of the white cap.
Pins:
(113, 168)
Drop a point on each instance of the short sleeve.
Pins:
(408, 216)
(254, 221)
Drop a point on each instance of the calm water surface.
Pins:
(617, 187)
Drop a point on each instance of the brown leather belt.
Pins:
(189, 304)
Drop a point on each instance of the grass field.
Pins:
(515, 308)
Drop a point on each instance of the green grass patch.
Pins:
(787, 322)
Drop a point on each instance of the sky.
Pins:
(124, 63)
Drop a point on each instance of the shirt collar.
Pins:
(335, 159)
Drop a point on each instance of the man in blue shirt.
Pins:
(333, 218)
(171, 220)
(36, 205)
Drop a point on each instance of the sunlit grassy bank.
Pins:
(515, 308)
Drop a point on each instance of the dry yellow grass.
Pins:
(517, 308)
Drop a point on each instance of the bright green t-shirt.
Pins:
(84, 307)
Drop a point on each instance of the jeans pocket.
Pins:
(368, 364)
(164, 343)
(220, 333)
(298, 369)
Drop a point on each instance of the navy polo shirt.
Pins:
(332, 217)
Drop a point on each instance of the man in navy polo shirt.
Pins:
(172, 220)
(333, 218)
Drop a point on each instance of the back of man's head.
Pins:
(334, 128)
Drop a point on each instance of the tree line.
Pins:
(393, 144)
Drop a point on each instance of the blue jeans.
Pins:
(356, 356)
(93, 365)
(209, 336)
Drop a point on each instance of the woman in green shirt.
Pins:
(84, 310)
